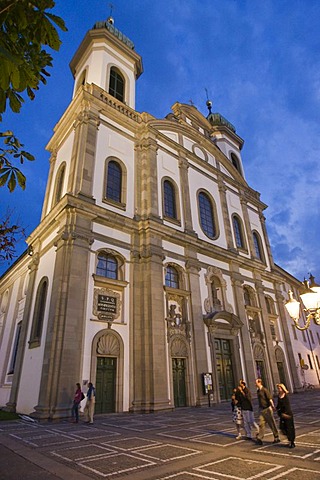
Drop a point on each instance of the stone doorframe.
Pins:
(280, 357)
(108, 343)
(179, 348)
(224, 325)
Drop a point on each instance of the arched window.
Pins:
(247, 296)
(116, 84)
(82, 79)
(172, 277)
(15, 349)
(238, 233)
(206, 215)
(235, 162)
(107, 265)
(38, 315)
(258, 246)
(169, 199)
(58, 189)
(269, 305)
(114, 181)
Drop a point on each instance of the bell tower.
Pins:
(106, 58)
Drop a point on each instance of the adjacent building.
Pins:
(150, 273)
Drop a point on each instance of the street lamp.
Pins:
(310, 296)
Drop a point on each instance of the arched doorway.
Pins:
(179, 359)
(107, 370)
(223, 328)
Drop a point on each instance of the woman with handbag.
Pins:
(285, 413)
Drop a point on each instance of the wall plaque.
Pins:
(106, 304)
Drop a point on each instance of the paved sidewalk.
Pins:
(187, 444)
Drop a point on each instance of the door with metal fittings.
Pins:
(106, 385)
(179, 382)
(224, 368)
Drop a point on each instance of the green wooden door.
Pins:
(179, 382)
(106, 385)
(224, 368)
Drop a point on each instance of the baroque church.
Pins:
(150, 273)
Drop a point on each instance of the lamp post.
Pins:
(310, 296)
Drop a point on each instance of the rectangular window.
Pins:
(318, 337)
(304, 336)
(301, 361)
(317, 358)
(311, 336)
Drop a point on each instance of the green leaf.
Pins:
(12, 182)
(57, 20)
(4, 176)
(15, 101)
(21, 179)
(27, 155)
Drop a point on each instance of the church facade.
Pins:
(150, 273)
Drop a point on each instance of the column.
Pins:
(82, 162)
(67, 317)
(249, 365)
(225, 213)
(185, 195)
(148, 370)
(267, 334)
(198, 337)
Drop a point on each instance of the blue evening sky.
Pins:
(259, 61)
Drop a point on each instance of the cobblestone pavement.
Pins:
(187, 444)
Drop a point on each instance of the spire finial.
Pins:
(110, 19)
(208, 102)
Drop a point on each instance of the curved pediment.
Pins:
(223, 320)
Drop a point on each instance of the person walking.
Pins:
(78, 396)
(245, 403)
(285, 413)
(91, 400)
(236, 412)
(266, 407)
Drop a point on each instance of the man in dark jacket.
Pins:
(266, 407)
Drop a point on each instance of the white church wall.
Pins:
(33, 357)
(63, 155)
(111, 143)
(198, 181)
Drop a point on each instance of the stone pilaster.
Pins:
(67, 317)
(266, 238)
(49, 186)
(82, 162)
(147, 201)
(185, 195)
(249, 366)
(225, 214)
(267, 334)
(198, 336)
(147, 335)
(247, 226)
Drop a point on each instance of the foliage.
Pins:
(25, 28)
(10, 234)
(10, 174)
